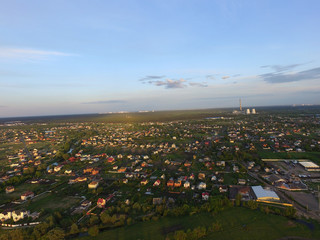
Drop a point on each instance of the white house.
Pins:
(5, 215)
(202, 185)
(205, 196)
(27, 195)
(16, 215)
(93, 185)
(19, 214)
(186, 184)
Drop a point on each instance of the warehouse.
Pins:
(265, 194)
(310, 166)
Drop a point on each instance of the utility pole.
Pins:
(319, 196)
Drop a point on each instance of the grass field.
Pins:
(237, 223)
(22, 188)
(52, 201)
(314, 156)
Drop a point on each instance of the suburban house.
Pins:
(177, 184)
(122, 169)
(170, 183)
(58, 168)
(186, 184)
(9, 189)
(157, 183)
(19, 214)
(101, 202)
(157, 201)
(223, 189)
(16, 215)
(205, 196)
(93, 185)
(144, 182)
(201, 176)
(202, 185)
(241, 181)
(68, 171)
(27, 195)
(86, 204)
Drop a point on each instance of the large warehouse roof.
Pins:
(309, 164)
(264, 193)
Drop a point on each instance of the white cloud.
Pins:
(8, 53)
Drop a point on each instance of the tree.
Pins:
(55, 234)
(16, 234)
(94, 231)
(74, 229)
(252, 204)
(129, 221)
(105, 218)
(238, 199)
(94, 220)
(180, 235)
(136, 206)
(38, 174)
(290, 212)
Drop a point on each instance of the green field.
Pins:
(52, 201)
(237, 223)
(313, 156)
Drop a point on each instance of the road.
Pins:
(25, 146)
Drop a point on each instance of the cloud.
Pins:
(282, 68)
(225, 77)
(280, 77)
(29, 54)
(316, 91)
(195, 84)
(211, 77)
(169, 83)
(106, 102)
(234, 97)
(236, 75)
(146, 78)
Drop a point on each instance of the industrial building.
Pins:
(310, 166)
(264, 194)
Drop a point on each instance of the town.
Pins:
(71, 177)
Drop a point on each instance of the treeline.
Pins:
(62, 226)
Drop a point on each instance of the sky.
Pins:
(77, 56)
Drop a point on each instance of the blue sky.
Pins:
(68, 57)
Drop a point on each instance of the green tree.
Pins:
(238, 199)
(290, 212)
(94, 231)
(17, 234)
(105, 218)
(74, 229)
(94, 220)
(180, 235)
(55, 234)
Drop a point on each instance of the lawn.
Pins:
(237, 223)
(52, 201)
(20, 190)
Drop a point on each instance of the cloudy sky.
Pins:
(68, 57)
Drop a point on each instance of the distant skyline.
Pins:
(75, 57)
